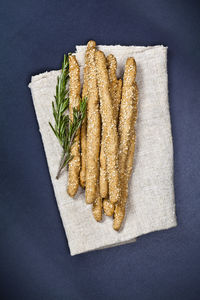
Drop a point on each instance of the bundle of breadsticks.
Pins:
(103, 150)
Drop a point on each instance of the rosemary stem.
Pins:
(62, 162)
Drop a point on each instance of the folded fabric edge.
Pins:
(129, 239)
(136, 48)
(42, 76)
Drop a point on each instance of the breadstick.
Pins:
(107, 205)
(93, 128)
(115, 85)
(118, 100)
(112, 66)
(129, 165)
(131, 151)
(97, 207)
(109, 125)
(84, 127)
(130, 158)
(127, 119)
(115, 89)
(103, 180)
(74, 96)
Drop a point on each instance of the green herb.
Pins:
(65, 129)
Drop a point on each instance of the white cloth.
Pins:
(150, 204)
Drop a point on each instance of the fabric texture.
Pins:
(150, 206)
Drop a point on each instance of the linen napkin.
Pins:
(150, 206)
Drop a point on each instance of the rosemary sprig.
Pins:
(65, 129)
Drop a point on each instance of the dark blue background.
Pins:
(34, 255)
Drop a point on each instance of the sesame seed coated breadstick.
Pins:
(74, 96)
(107, 205)
(103, 181)
(131, 151)
(97, 207)
(109, 125)
(115, 90)
(127, 119)
(83, 153)
(93, 128)
(118, 100)
(115, 84)
(126, 111)
(84, 127)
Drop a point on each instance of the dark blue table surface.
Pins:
(34, 257)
